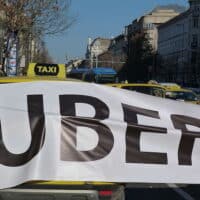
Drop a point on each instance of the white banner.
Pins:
(87, 132)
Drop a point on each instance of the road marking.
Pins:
(181, 192)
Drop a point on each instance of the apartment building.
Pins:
(95, 48)
(116, 55)
(179, 47)
(141, 34)
(149, 22)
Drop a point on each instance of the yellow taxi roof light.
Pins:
(44, 69)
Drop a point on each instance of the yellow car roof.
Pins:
(69, 183)
(135, 84)
(174, 89)
(19, 79)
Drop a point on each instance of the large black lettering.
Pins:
(70, 122)
(46, 69)
(133, 134)
(188, 137)
(37, 128)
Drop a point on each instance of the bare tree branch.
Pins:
(31, 19)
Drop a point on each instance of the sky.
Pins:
(98, 18)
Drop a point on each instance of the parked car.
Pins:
(195, 90)
(100, 75)
(150, 89)
(181, 94)
(170, 91)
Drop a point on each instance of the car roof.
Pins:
(19, 79)
(103, 70)
(169, 84)
(136, 84)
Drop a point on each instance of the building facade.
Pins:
(115, 57)
(95, 48)
(148, 24)
(179, 48)
(142, 40)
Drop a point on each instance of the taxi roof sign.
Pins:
(44, 69)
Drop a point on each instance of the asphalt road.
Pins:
(162, 192)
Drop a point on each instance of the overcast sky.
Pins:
(98, 18)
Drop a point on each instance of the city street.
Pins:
(99, 99)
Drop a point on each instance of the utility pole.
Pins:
(112, 61)
(91, 60)
(96, 61)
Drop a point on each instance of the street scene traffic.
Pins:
(99, 105)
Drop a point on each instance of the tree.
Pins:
(24, 20)
(42, 55)
(140, 58)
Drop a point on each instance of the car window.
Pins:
(182, 95)
(155, 91)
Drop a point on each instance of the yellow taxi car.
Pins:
(40, 72)
(150, 89)
(57, 190)
(20, 79)
(181, 94)
(172, 91)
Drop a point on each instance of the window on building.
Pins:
(148, 26)
(195, 11)
(195, 22)
(193, 57)
(194, 41)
